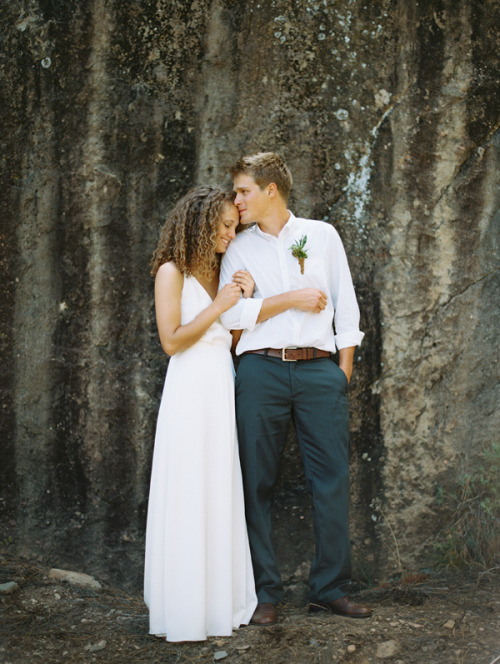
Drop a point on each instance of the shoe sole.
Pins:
(319, 608)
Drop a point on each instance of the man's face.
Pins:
(252, 201)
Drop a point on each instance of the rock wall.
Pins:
(387, 113)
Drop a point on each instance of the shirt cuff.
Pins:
(250, 313)
(348, 339)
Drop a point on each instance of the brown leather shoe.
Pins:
(342, 607)
(264, 614)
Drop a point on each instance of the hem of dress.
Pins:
(195, 639)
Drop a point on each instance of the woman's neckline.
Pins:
(215, 280)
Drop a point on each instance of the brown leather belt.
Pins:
(290, 354)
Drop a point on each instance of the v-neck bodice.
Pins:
(206, 291)
(194, 299)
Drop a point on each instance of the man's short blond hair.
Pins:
(265, 167)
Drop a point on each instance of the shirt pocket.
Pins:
(314, 274)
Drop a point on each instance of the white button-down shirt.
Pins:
(270, 262)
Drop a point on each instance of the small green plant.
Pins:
(6, 542)
(473, 538)
(439, 497)
(363, 572)
(299, 251)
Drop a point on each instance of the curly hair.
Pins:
(265, 167)
(189, 236)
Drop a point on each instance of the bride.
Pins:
(198, 579)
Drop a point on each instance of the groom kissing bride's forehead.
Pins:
(275, 293)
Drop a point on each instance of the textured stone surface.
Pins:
(75, 578)
(387, 649)
(387, 113)
(8, 588)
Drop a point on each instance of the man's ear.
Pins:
(272, 190)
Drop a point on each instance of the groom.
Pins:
(303, 288)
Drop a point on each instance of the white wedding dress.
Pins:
(198, 579)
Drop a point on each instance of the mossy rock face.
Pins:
(388, 118)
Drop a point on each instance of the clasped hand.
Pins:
(310, 299)
(245, 281)
(229, 294)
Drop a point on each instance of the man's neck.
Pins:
(274, 224)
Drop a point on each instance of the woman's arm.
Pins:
(175, 337)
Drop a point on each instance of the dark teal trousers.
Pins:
(314, 393)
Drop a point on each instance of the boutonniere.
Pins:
(299, 251)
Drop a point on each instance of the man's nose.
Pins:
(237, 200)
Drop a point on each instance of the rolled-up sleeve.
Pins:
(244, 314)
(347, 332)
(349, 339)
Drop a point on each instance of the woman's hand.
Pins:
(174, 336)
(227, 297)
(244, 280)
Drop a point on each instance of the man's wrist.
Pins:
(346, 360)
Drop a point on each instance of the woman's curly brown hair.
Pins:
(189, 236)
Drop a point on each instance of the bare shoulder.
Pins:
(169, 276)
(169, 271)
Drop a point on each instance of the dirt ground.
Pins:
(442, 617)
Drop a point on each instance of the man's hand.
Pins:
(309, 299)
(346, 358)
(305, 299)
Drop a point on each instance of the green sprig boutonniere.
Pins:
(299, 251)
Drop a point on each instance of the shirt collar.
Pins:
(291, 225)
(288, 228)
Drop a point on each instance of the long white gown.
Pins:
(198, 579)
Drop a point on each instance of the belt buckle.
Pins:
(283, 353)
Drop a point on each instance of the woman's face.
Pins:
(230, 219)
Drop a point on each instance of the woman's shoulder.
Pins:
(169, 273)
(170, 269)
